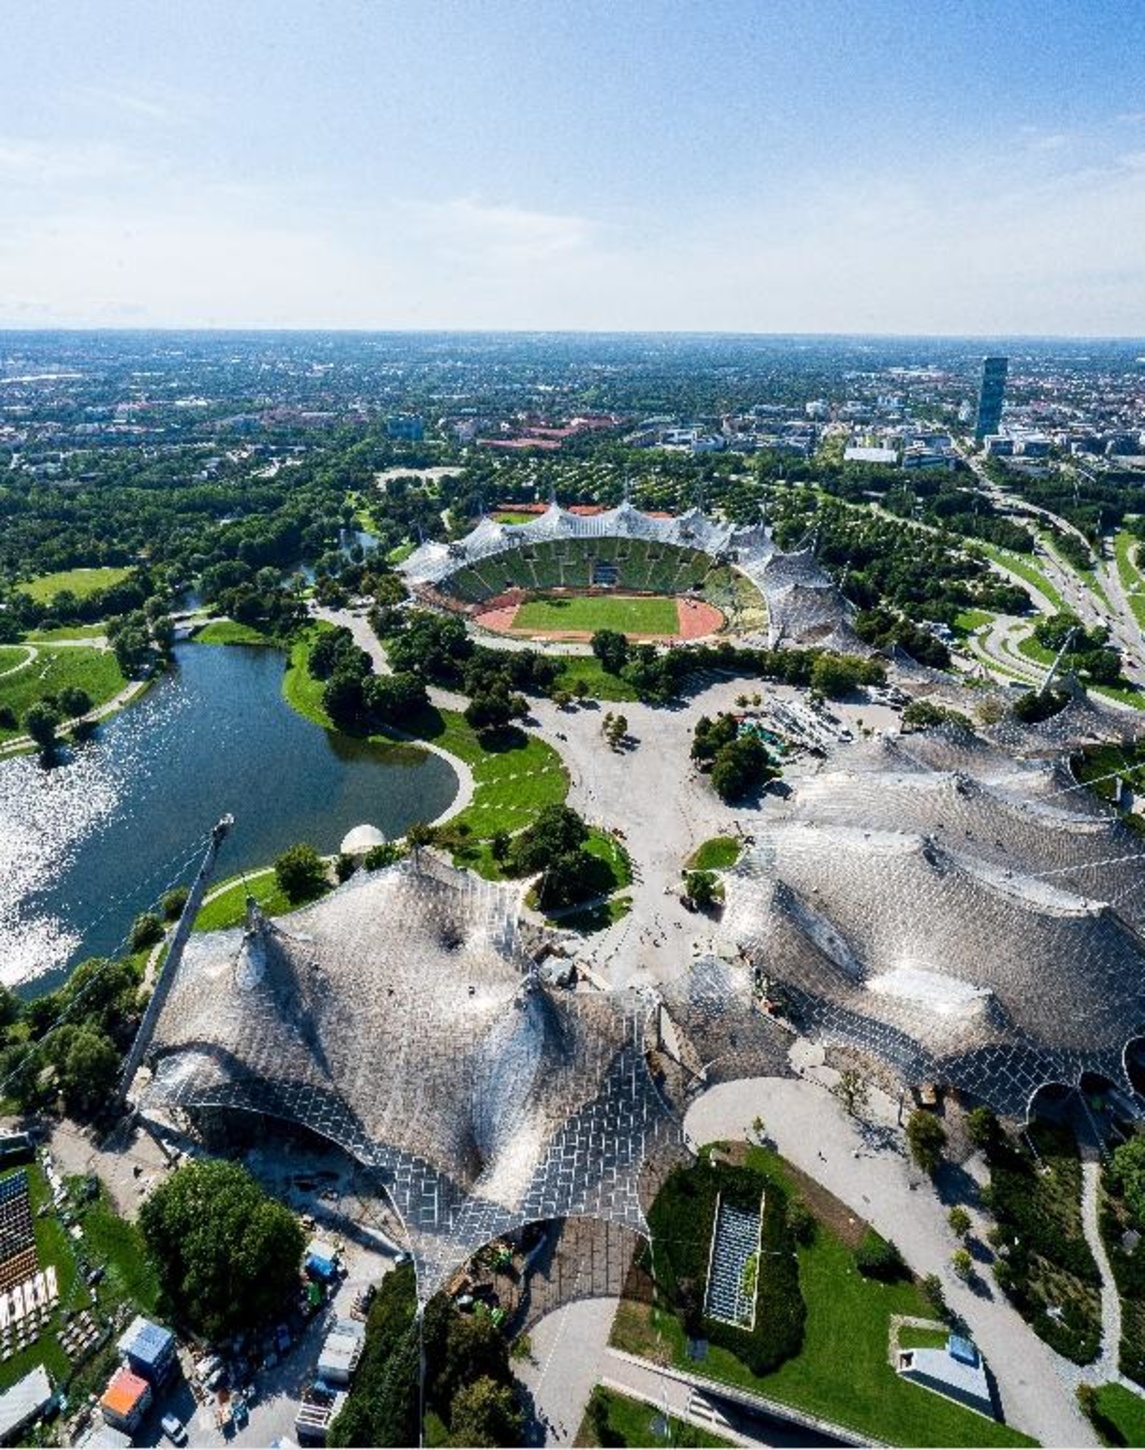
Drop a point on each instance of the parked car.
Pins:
(173, 1429)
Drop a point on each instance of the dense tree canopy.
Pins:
(228, 1256)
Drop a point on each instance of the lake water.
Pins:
(87, 845)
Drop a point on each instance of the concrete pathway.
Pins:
(23, 664)
(865, 1166)
(569, 1348)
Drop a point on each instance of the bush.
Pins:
(926, 1137)
(959, 1221)
(146, 931)
(301, 872)
(962, 1263)
(982, 1127)
(172, 902)
(345, 865)
(878, 1258)
(382, 855)
(801, 1224)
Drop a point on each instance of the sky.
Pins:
(893, 166)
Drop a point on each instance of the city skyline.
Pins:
(963, 171)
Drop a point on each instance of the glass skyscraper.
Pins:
(990, 396)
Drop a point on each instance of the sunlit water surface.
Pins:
(87, 845)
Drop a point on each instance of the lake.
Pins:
(87, 845)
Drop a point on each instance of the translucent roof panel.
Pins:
(400, 1018)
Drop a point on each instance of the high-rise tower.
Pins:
(990, 396)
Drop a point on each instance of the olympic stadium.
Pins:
(728, 579)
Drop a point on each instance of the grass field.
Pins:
(715, 855)
(92, 670)
(13, 657)
(226, 631)
(66, 631)
(632, 1422)
(1025, 569)
(80, 582)
(587, 613)
(1124, 1411)
(842, 1371)
(601, 685)
(228, 908)
(1125, 547)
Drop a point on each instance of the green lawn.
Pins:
(81, 582)
(601, 685)
(968, 620)
(841, 1372)
(66, 631)
(590, 612)
(632, 1422)
(13, 656)
(53, 1246)
(228, 908)
(226, 631)
(715, 855)
(1018, 564)
(510, 516)
(117, 1245)
(1125, 1411)
(92, 670)
(1125, 549)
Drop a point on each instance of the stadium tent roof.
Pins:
(805, 607)
(401, 1018)
(979, 926)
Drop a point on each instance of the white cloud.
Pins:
(53, 163)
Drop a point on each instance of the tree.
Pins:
(301, 872)
(87, 1069)
(73, 701)
(557, 831)
(878, 1258)
(485, 1413)
(836, 675)
(228, 1256)
(568, 878)
(419, 834)
(343, 699)
(700, 887)
(982, 1127)
(962, 1263)
(926, 1138)
(959, 1221)
(395, 698)
(932, 1288)
(1127, 1176)
(146, 930)
(172, 902)
(739, 767)
(40, 721)
(852, 1090)
(611, 649)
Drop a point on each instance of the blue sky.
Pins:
(933, 166)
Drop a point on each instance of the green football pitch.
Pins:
(590, 612)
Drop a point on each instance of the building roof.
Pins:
(146, 1341)
(26, 1398)
(804, 605)
(964, 912)
(124, 1392)
(964, 1374)
(401, 1018)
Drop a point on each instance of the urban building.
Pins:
(990, 396)
(125, 1401)
(148, 1349)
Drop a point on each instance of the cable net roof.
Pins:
(400, 1018)
(972, 918)
(804, 605)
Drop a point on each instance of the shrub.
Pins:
(146, 931)
(172, 902)
(345, 866)
(959, 1220)
(382, 855)
(801, 1223)
(926, 1137)
(962, 1263)
(878, 1258)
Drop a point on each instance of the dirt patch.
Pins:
(828, 1209)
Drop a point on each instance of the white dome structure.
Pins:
(360, 840)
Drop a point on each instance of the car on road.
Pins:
(174, 1430)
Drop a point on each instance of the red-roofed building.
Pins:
(126, 1400)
